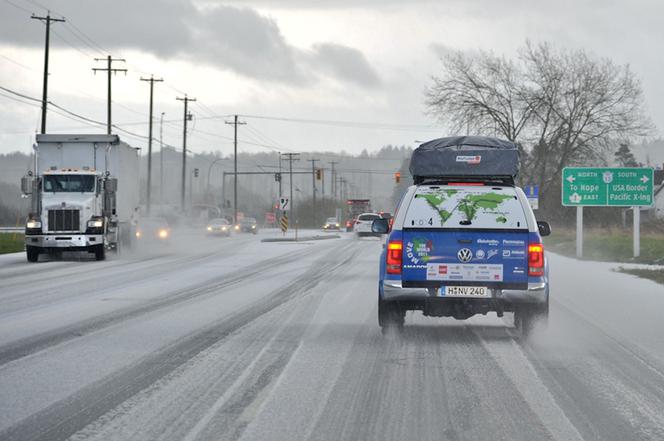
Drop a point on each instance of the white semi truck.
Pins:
(85, 195)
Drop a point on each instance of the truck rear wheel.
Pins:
(527, 317)
(32, 253)
(390, 316)
(100, 252)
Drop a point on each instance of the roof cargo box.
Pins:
(473, 157)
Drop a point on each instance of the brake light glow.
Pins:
(394, 255)
(535, 259)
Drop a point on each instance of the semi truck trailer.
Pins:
(85, 191)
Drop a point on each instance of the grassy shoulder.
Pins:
(11, 243)
(608, 245)
(656, 275)
(613, 246)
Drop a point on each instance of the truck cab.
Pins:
(76, 205)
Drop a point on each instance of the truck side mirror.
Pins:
(544, 228)
(380, 226)
(111, 185)
(26, 184)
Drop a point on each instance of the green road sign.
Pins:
(607, 187)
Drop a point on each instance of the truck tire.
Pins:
(390, 316)
(527, 317)
(32, 253)
(100, 252)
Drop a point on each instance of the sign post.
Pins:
(607, 187)
(284, 206)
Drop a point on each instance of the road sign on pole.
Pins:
(284, 204)
(283, 223)
(532, 193)
(607, 187)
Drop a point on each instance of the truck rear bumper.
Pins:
(63, 241)
(536, 293)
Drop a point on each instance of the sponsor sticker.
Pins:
(465, 272)
(469, 159)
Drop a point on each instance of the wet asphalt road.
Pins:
(227, 339)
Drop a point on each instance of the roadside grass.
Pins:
(608, 245)
(613, 246)
(11, 243)
(656, 275)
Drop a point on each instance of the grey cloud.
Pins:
(345, 63)
(243, 40)
(234, 38)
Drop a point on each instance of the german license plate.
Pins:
(465, 291)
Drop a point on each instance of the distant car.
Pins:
(153, 229)
(247, 225)
(363, 223)
(218, 227)
(349, 225)
(332, 224)
(385, 215)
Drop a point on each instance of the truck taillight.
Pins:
(535, 259)
(394, 255)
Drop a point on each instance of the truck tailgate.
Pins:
(496, 259)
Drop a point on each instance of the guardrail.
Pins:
(12, 229)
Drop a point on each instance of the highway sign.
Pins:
(532, 193)
(284, 204)
(607, 187)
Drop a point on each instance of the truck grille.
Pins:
(64, 220)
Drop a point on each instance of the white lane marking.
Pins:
(514, 363)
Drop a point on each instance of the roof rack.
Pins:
(445, 180)
(469, 158)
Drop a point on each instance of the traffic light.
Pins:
(397, 177)
(195, 173)
(277, 177)
(319, 174)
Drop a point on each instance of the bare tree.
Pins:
(583, 106)
(562, 107)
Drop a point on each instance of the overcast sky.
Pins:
(360, 66)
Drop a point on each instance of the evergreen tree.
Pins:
(625, 157)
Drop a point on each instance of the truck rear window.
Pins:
(462, 206)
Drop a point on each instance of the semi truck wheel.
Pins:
(100, 252)
(32, 253)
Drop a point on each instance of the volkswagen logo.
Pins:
(465, 255)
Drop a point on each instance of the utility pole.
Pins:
(161, 159)
(48, 19)
(186, 100)
(333, 179)
(109, 70)
(313, 181)
(152, 81)
(235, 123)
(291, 158)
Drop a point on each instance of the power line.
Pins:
(18, 7)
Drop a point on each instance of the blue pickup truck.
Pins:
(464, 241)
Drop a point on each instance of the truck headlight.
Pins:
(209, 228)
(163, 234)
(32, 223)
(95, 223)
